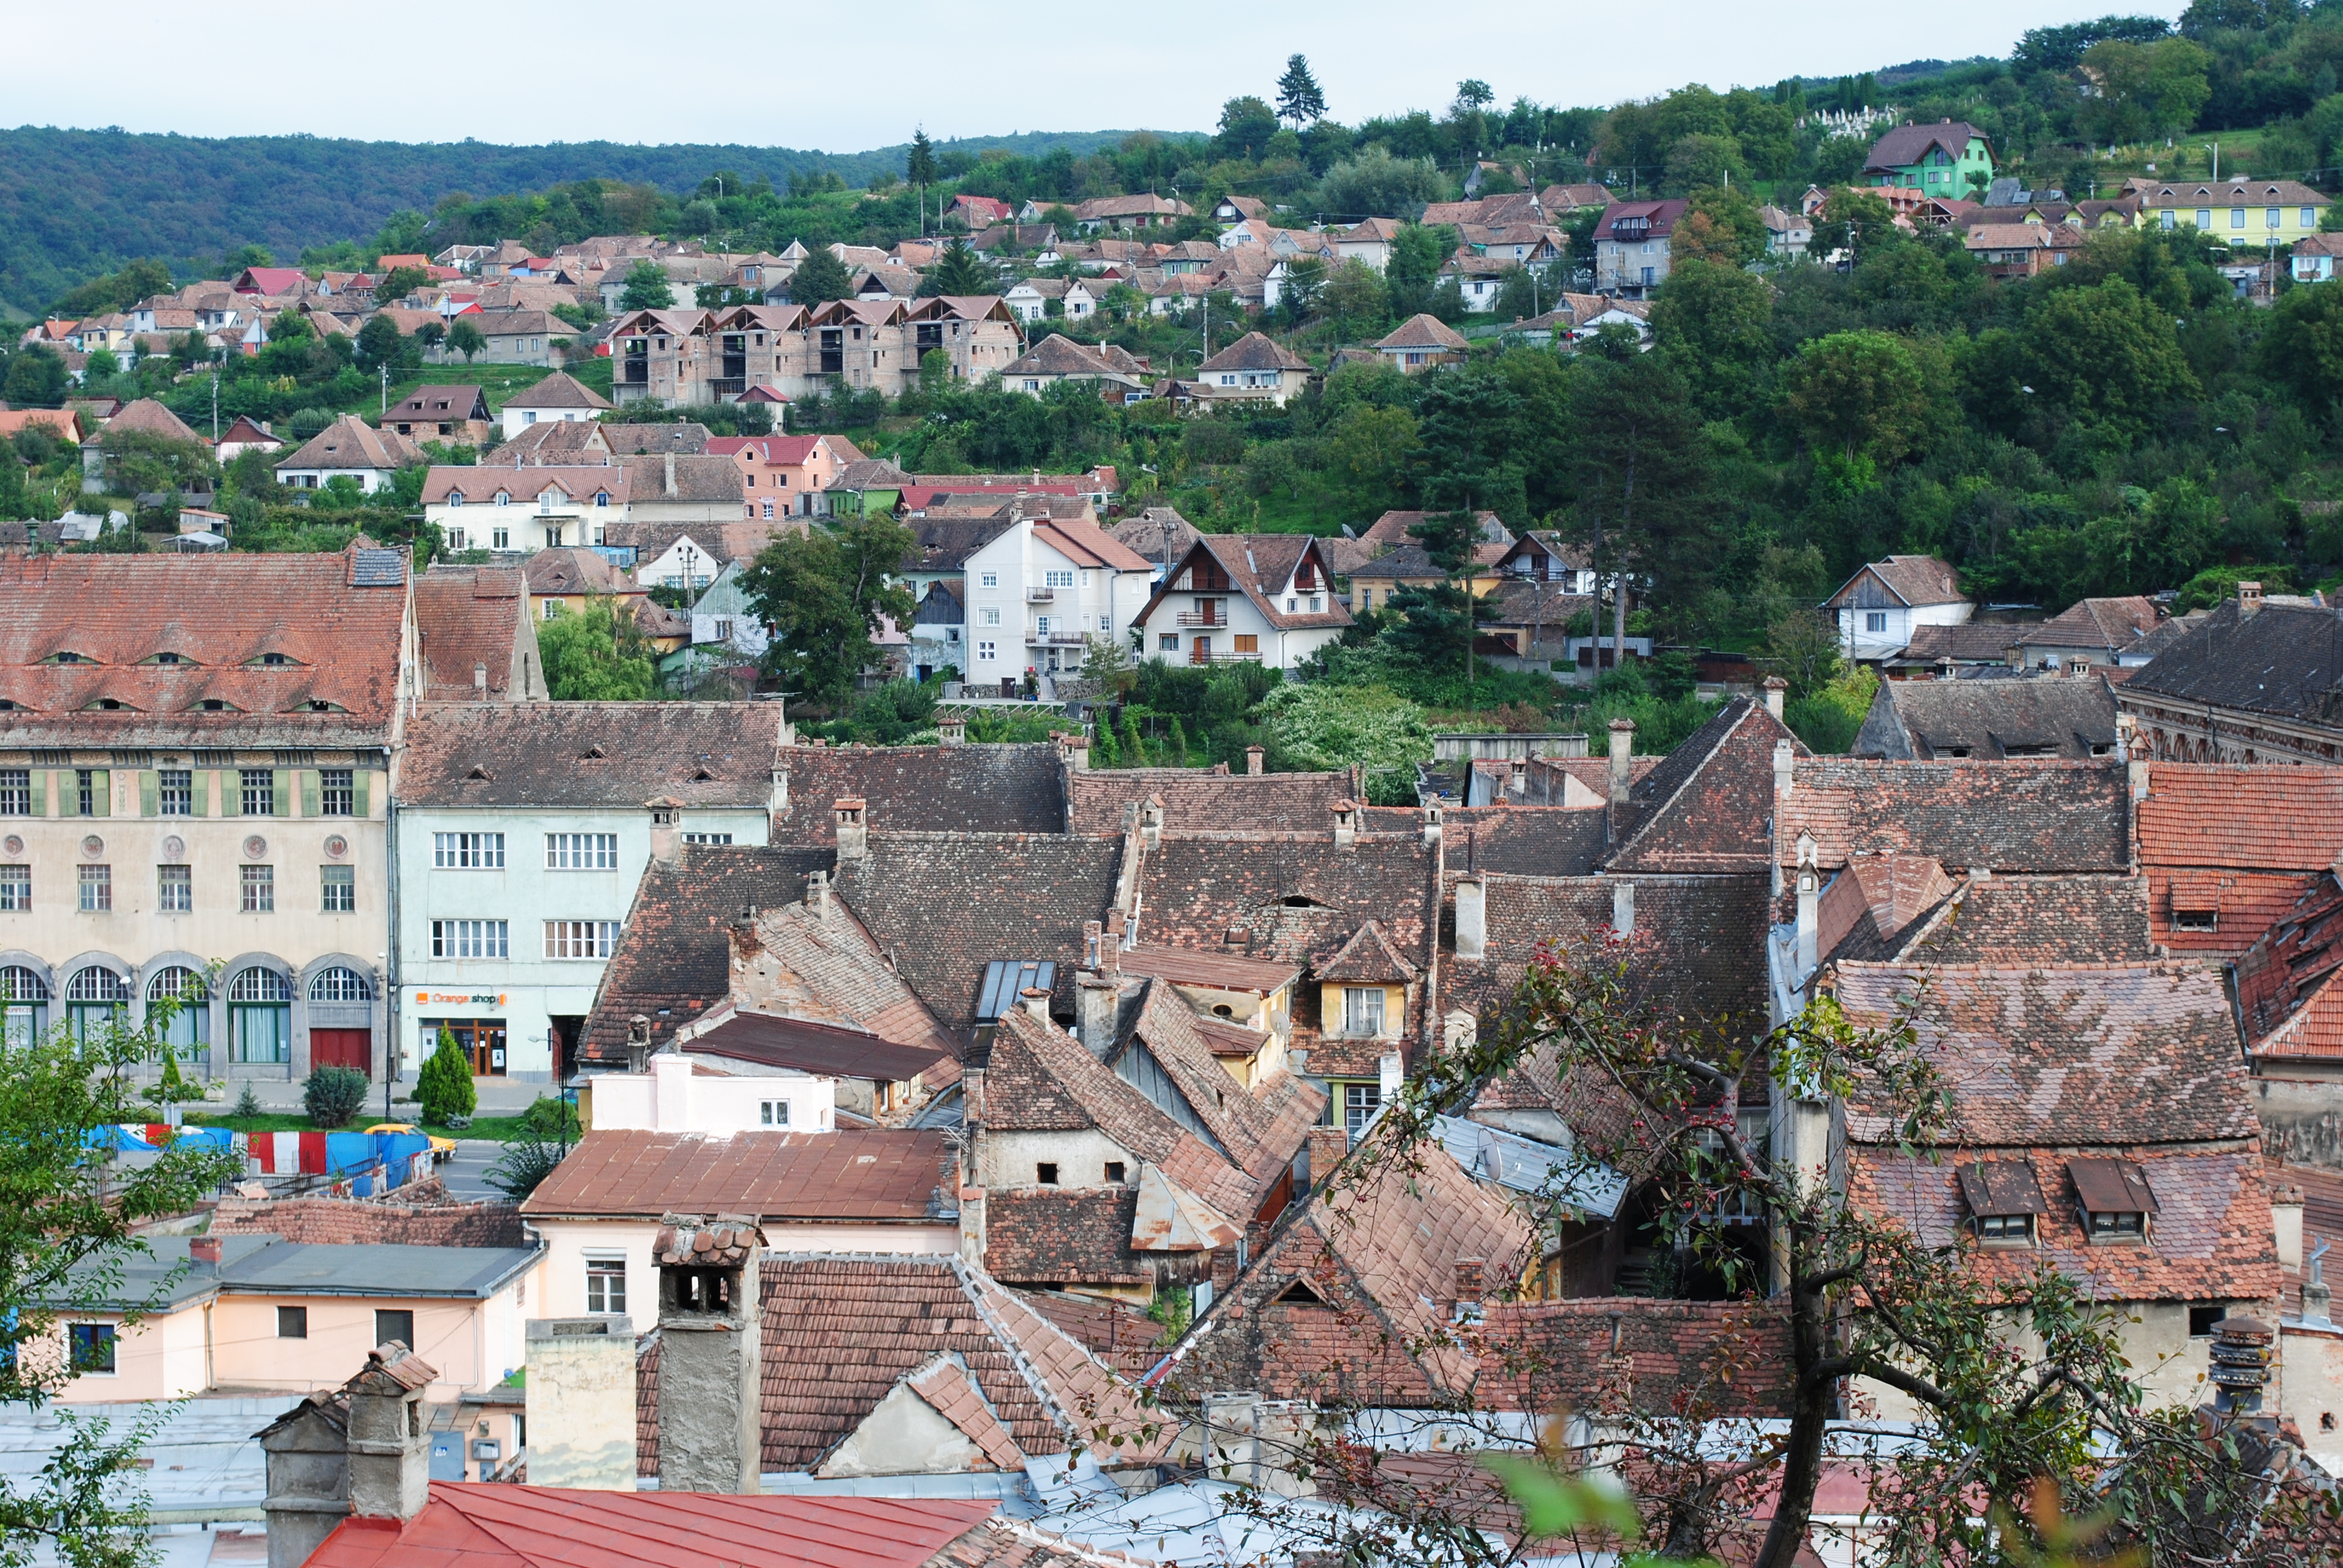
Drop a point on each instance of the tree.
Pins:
(960, 270)
(444, 1086)
(1859, 398)
(1246, 125)
(1355, 297)
(465, 339)
(398, 283)
(1640, 464)
(2106, 354)
(647, 288)
(596, 655)
(332, 1095)
(1475, 93)
(825, 594)
(2143, 89)
(1305, 275)
(380, 343)
(1316, 726)
(1369, 449)
(820, 278)
(70, 1217)
(1298, 96)
(37, 378)
(1711, 319)
(2302, 348)
(1374, 183)
(919, 161)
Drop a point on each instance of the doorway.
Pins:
(480, 1039)
(342, 1047)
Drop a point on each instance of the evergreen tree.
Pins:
(1298, 96)
(919, 163)
(444, 1087)
(960, 270)
(1134, 750)
(820, 278)
(1178, 740)
(1103, 751)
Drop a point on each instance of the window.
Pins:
(2273, 218)
(986, 652)
(2194, 919)
(292, 1322)
(500, 537)
(2118, 1226)
(2204, 217)
(340, 985)
(338, 794)
(456, 497)
(1106, 623)
(2114, 1198)
(606, 1285)
(92, 1348)
(581, 851)
(96, 890)
(394, 1323)
(2011, 1228)
(1247, 642)
(1875, 620)
(257, 792)
(2167, 216)
(2310, 217)
(1360, 1103)
(1058, 580)
(258, 884)
(773, 1113)
(470, 939)
(15, 888)
(1114, 1172)
(707, 838)
(339, 889)
(2201, 1320)
(174, 889)
(2236, 218)
(988, 579)
(84, 792)
(1363, 1011)
(174, 792)
(1168, 641)
(468, 851)
(16, 792)
(580, 939)
(1046, 1174)
(1041, 625)
(988, 616)
(552, 609)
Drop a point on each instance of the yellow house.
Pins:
(2238, 211)
(1362, 998)
(1410, 566)
(1244, 1006)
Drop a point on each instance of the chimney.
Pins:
(1623, 747)
(1785, 767)
(1517, 779)
(1111, 950)
(1035, 999)
(1468, 1286)
(2250, 600)
(1775, 689)
(1325, 1147)
(2317, 1301)
(1810, 884)
(667, 835)
(1254, 754)
(853, 833)
(1077, 752)
(580, 1402)
(817, 894)
(2285, 1216)
(1151, 822)
(953, 728)
(390, 1453)
(711, 1354)
(1460, 1029)
(1391, 1073)
(204, 1252)
(1472, 918)
(1623, 909)
(1347, 824)
(1098, 999)
(2127, 735)
(638, 1043)
(480, 680)
(670, 473)
(671, 1092)
(1433, 815)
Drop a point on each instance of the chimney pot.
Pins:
(1347, 824)
(638, 1043)
(952, 728)
(1111, 950)
(1035, 1001)
(1150, 821)
(2249, 600)
(853, 831)
(1810, 883)
(1254, 754)
(1472, 918)
(204, 1250)
(1433, 817)
(1775, 689)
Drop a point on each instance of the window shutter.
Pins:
(357, 791)
(149, 793)
(231, 794)
(101, 792)
(308, 792)
(280, 790)
(199, 786)
(38, 779)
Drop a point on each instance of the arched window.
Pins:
(93, 997)
(454, 497)
(340, 985)
(260, 1017)
(24, 1005)
(190, 1026)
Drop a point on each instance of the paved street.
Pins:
(466, 1170)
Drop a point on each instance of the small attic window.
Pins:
(2113, 1198)
(319, 705)
(1301, 902)
(272, 661)
(702, 776)
(106, 705)
(173, 660)
(1299, 1290)
(213, 705)
(2186, 919)
(481, 772)
(592, 753)
(2004, 1202)
(68, 657)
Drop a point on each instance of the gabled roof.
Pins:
(351, 445)
(1391, 530)
(1088, 544)
(2286, 660)
(612, 756)
(559, 390)
(146, 416)
(1658, 218)
(479, 485)
(1423, 332)
(1295, 897)
(2023, 815)
(874, 1175)
(1260, 566)
(2073, 716)
(2239, 842)
(972, 789)
(1912, 581)
(467, 617)
(1207, 801)
(2286, 997)
(1705, 807)
(1255, 351)
(1160, 534)
(2012, 920)
(1907, 145)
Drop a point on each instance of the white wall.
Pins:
(569, 1243)
(672, 1097)
(1100, 602)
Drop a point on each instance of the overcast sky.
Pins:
(842, 80)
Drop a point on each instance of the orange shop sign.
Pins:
(430, 998)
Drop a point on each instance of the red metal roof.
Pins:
(471, 1526)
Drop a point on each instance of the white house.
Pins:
(486, 508)
(519, 847)
(1254, 599)
(559, 398)
(1038, 592)
(348, 448)
(1877, 608)
(670, 1096)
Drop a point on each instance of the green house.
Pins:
(1938, 160)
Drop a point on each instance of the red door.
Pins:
(342, 1047)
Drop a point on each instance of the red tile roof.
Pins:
(467, 616)
(2286, 993)
(868, 1175)
(2242, 840)
(2022, 815)
(473, 1526)
(1207, 800)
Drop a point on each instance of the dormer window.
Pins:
(69, 657)
(454, 497)
(272, 661)
(2112, 1197)
(171, 660)
(504, 498)
(2004, 1202)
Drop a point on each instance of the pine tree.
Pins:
(1103, 751)
(1178, 744)
(1298, 96)
(444, 1087)
(1134, 750)
(919, 163)
(820, 278)
(960, 270)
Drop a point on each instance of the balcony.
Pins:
(1041, 595)
(1207, 656)
(1202, 618)
(728, 387)
(638, 372)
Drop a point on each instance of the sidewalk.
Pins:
(497, 1096)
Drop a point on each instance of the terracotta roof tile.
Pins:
(1705, 807)
(2282, 660)
(1063, 1235)
(467, 616)
(2286, 991)
(611, 755)
(2025, 815)
(854, 1173)
(1207, 800)
(966, 788)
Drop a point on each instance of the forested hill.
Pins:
(75, 203)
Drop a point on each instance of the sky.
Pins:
(813, 78)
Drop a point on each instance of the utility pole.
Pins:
(385, 390)
(215, 405)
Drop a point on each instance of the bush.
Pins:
(248, 1102)
(332, 1095)
(444, 1087)
(526, 1162)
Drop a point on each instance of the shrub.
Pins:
(248, 1102)
(332, 1095)
(526, 1162)
(444, 1087)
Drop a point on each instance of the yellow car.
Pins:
(441, 1148)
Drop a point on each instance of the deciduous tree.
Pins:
(825, 594)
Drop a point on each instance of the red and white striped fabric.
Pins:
(289, 1153)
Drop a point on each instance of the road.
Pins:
(466, 1170)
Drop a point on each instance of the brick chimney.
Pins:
(390, 1451)
(1151, 822)
(817, 894)
(1775, 689)
(666, 833)
(1622, 748)
(853, 832)
(1468, 1273)
(1035, 999)
(1433, 817)
(204, 1253)
(1810, 884)
(2250, 600)
(1111, 950)
(1347, 824)
(711, 1354)
(1254, 754)
(638, 1043)
(1472, 918)
(953, 728)
(580, 1393)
